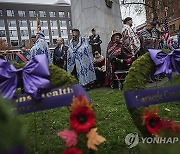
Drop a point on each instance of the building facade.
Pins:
(172, 7)
(18, 22)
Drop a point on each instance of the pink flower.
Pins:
(69, 136)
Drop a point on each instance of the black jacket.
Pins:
(95, 39)
(60, 56)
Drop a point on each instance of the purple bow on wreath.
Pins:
(34, 74)
(166, 63)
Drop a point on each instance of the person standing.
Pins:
(149, 38)
(79, 62)
(60, 53)
(130, 38)
(40, 47)
(95, 41)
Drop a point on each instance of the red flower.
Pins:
(82, 119)
(153, 124)
(72, 150)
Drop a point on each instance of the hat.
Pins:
(40, 33)
(115, 32)
(127, 19)
(93, 29)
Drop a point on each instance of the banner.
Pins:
(51, 99)
(140, 98)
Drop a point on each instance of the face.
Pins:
(149, 27)
(94, 32)
(60, 41)
(116, 38)
(33, 40)
(75, 35)
(130, 22)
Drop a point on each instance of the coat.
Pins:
(95, 39)
(79, 57)
(60, 56)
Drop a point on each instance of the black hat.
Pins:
(75, 30)
(127, 19)
(93, 30)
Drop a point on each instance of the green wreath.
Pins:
(11, 131)
(136, 79)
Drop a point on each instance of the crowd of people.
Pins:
(96, 70)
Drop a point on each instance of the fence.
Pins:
(10, 55)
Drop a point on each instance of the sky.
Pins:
(125, 10)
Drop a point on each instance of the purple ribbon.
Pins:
(35, 77)
(166, 62)
(54, 98)
(140, 98)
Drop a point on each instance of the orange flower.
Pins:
(80, 101)
(94, 139)
(148, 112)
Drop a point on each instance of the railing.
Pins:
(10, 55)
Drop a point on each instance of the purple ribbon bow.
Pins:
(166, 62)
(34, 74)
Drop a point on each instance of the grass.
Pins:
(112, 119)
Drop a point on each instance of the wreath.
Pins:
(11, 130)
(137, 78)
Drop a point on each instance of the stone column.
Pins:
(88, 14)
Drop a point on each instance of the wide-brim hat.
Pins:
(40, 33)
(116, 33)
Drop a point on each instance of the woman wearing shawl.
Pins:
(115, 50)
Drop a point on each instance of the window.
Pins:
(68, 14)
(70, 23)
(33, 23)
(52, 14)
(1, 23)
(14, 42)
(54, 32)
(24, 32)
(1, 13)
(33, 32)
(21, 13)
(46, 32)
(32, 13)
(61, 14)
(13, 33)
(63, 32)
(63, 24)
(12, 23)
(42, 13)
(22, 23)
(10, 13)
(44, 23)
(53, 23)
(2, 33)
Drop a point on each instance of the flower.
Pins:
(72, 150)
(69, 136)
(82, 119)
(153, 124)
(94, 139)
(151, 120)
(80, 101)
